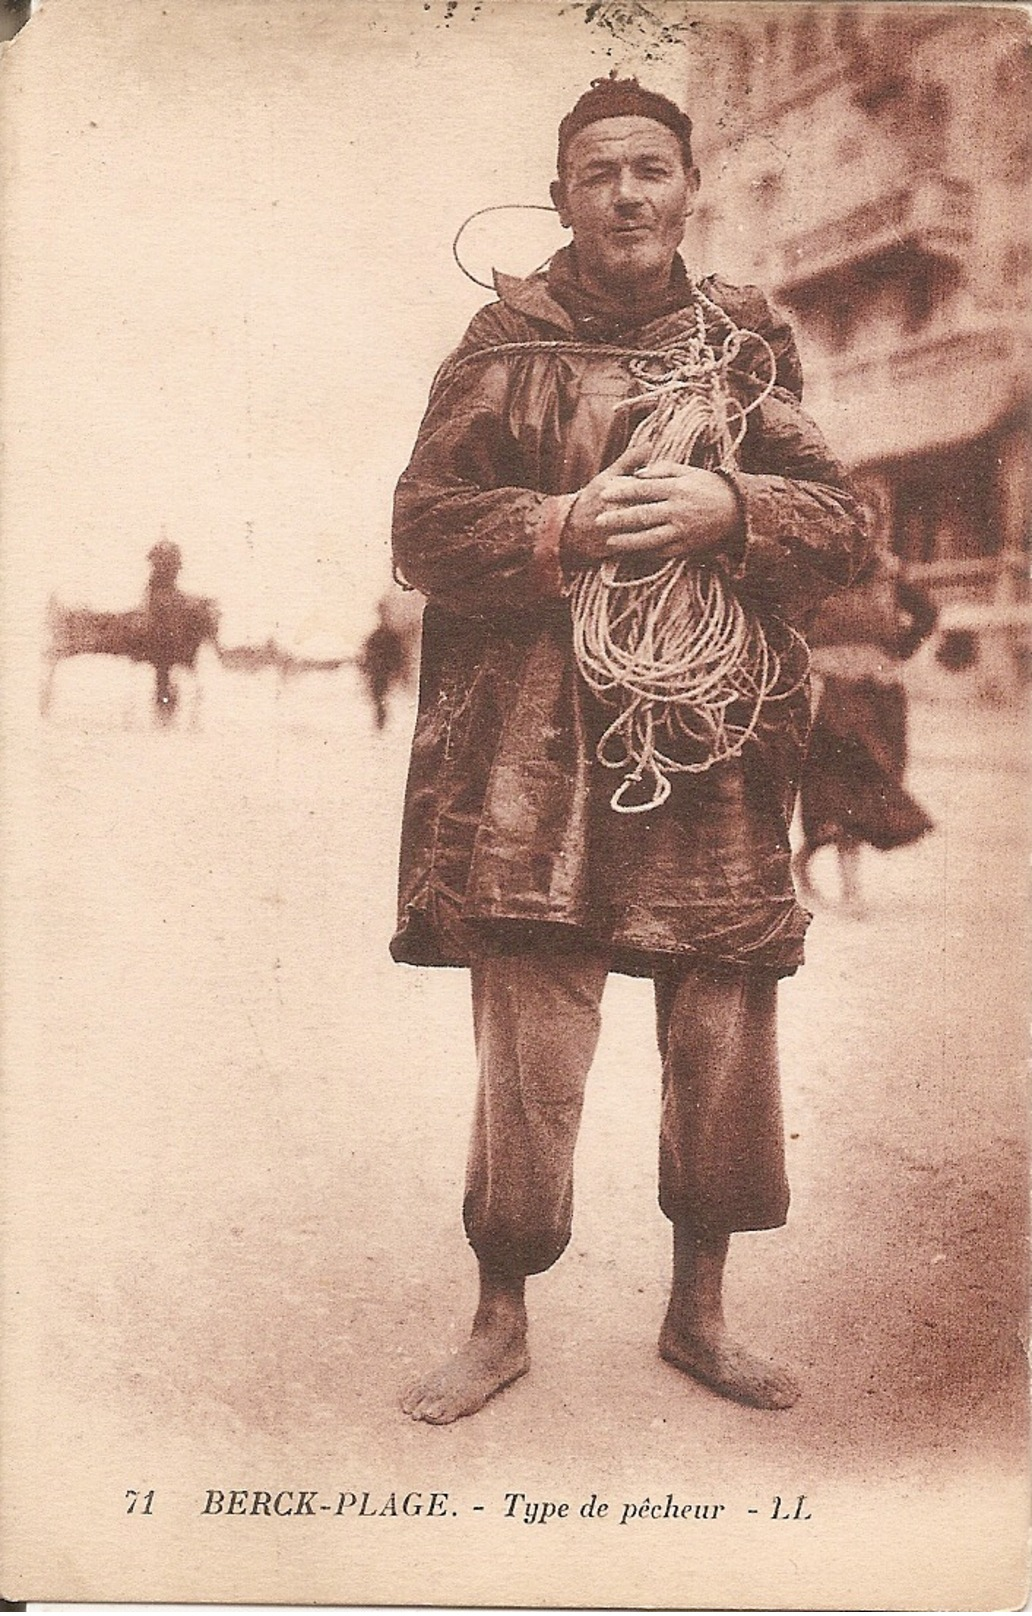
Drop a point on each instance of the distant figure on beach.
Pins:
(168, 631)
(176, 625)
(852, 790)
(385, 660)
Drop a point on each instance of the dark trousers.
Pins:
(536, 1021)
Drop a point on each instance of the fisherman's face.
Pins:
(626, 194)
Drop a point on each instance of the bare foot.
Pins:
(463, 1384)
(494, 1356)
(732, 1371)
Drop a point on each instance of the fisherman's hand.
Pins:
(658, 507)
(584, 538)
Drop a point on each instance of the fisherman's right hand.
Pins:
(584, 540)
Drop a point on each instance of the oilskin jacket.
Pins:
(508, 827)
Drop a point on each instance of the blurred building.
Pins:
(872, 169)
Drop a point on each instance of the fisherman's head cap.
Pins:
(624, 98)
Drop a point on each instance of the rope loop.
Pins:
(500, 207)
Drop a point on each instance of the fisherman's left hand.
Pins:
(669, 510)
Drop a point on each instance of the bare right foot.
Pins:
(463, 1384)
(494, 1356)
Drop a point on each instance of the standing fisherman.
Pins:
(515, 861)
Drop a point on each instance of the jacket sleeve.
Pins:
(467, 532)
(804, 530)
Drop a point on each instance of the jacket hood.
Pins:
(531, 297)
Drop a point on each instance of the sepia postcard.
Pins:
(467, 467)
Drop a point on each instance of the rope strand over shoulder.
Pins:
(673, 648)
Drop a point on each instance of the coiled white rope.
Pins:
(689, 668)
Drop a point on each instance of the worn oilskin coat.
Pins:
(507, 823)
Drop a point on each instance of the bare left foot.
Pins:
(731, 1370)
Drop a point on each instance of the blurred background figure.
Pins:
(852, 789)
(387, 658)
(175, 626)
(167, 631)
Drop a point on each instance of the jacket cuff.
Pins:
(546, 525)
(736, 548)
(766, 534)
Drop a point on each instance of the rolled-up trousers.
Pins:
(536, 1017)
